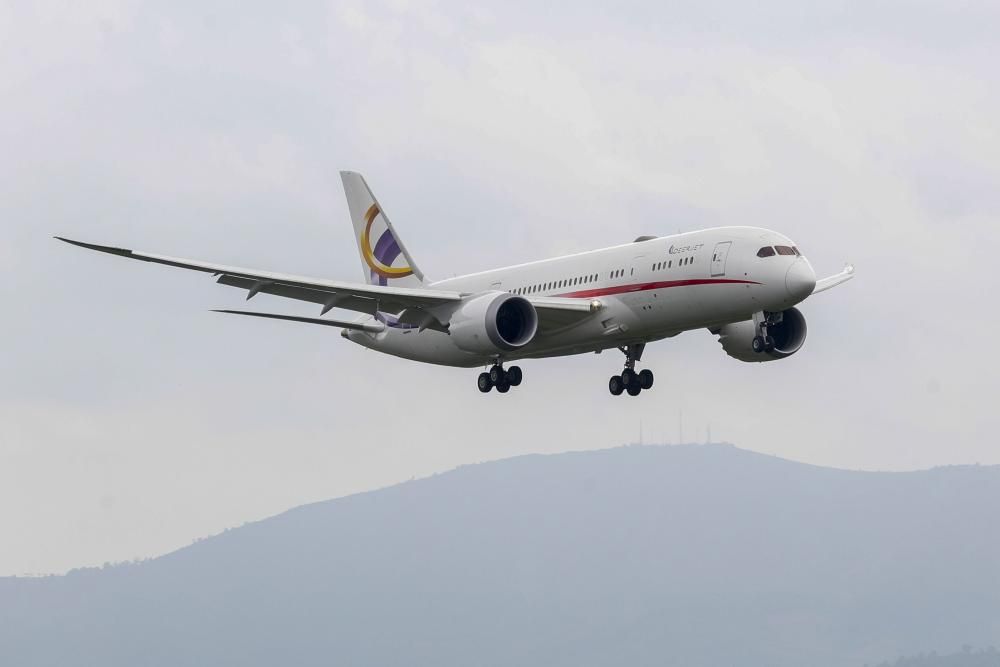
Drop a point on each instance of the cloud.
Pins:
(492, 136)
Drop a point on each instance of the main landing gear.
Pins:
(502, 379)
(764, 341)
(629, 380)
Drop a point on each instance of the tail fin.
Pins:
(384, 258)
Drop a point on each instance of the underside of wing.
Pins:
(556, 314)
(327, 293)
(824, 284)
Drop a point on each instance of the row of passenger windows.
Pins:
(555, 284)
(768, 251)
(617, 273)
(684, 261)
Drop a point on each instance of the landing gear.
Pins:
(764, 341)
(630, 381)
(502, 379)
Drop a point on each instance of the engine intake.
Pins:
(494, 322)
(789, 336)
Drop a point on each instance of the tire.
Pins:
(646, 378)
(757, 344)
(630, 378)
(615, 385)
(484, 383)
(633, 389)
(514, 376)
(503, 387)
(768, 344)
(496, 375)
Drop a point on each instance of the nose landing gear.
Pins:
(630, 381)
(764, 341)
(502, 379)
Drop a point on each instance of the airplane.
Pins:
(740, 283)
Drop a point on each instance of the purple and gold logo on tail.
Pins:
(384, 253)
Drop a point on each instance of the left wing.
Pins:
(328, 293)
(824, 284)
(557, 314)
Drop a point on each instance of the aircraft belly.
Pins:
(642, 316)
(428, 346)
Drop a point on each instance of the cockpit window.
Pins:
(784, 250)
(796, 249)
(766, 251)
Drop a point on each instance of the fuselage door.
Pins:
(719, 256)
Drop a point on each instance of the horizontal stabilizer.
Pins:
(370, 327)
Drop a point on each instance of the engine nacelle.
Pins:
(493, 323)
(789, 335)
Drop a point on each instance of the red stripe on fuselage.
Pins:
(643, 287)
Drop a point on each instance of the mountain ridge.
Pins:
(677, 554)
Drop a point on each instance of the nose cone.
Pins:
(800, 279)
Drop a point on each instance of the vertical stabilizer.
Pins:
(384, 258)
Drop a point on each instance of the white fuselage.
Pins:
(647, 290)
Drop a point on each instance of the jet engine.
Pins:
(493, 323)
(789, 334)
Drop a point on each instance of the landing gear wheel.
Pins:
(514, 376)
(646, 378)
(615, 385)
(633, 389)
(757, 344)
(484, 383)
(630, 378)
(496, 375)
(503, 387)
(768, 343)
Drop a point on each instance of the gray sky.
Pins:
(132, 420)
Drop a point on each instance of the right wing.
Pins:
(832, 281)
(328, 293)
(421, 306)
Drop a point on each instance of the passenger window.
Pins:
(784, 250)
(766, 251)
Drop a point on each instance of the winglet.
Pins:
(93, 246)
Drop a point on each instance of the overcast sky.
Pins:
(132, 420)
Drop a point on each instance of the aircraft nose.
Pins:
(800, 279)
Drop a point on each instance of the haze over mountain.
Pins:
(685, 555)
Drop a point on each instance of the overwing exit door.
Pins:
(719, 256)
